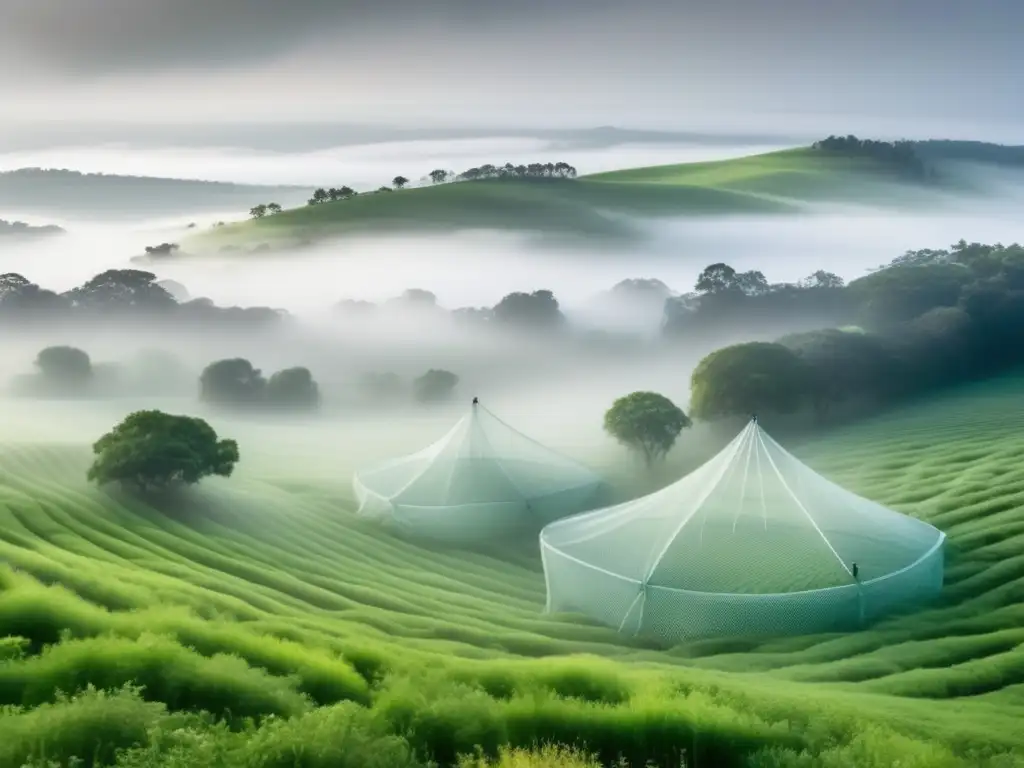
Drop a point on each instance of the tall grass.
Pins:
(309, 638)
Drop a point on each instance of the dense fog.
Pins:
(478, 268)
(554, 386)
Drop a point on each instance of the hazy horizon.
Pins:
(478, 268)
(320, 93)
(362, 166)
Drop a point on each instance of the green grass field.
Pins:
(796, 174)
(263, 595)
(597, 206)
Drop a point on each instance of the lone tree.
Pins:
(646, 422)
(529, 310)
(153, 450)
(293, 388)
(258, 211)
(435, 385)
(716, 278)
(399, 182)
(231, 382)
(744, 379)
(415, 298)
(64, 366)
(122, 290)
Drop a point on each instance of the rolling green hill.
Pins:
(599, 206)
(265, 595)
(797, 174)
(52, 191)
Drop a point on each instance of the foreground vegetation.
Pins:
(310, 638)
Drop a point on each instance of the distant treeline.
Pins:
(534, 310)
(115, 294)
(559, 170)
(65, 174)
(22, 228)
(969, 151)
(62, 190)
(233, 383)
(929, 319)
(897, 154)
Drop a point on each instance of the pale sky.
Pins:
(643, 63)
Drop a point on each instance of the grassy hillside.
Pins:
(797, 174)
(266, 596)
(601, 205)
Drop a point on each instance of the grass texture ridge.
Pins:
(323, 640)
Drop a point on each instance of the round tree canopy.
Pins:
(753, 542)
(482, 480)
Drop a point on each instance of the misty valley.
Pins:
(606, 448)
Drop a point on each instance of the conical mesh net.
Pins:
(752, 542)
(482, 480)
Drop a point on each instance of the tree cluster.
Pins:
(265, 209)
(162, 251)
(330, 195)
(726, 302)
(559, 170)
(22, 228)
(897, 154)
(535, 310)
(235, 382)
(116, 294)
(929, 319)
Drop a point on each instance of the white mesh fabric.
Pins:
(482, 480)
(752, 542)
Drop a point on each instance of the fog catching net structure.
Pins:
(753, 542)
(481, 481)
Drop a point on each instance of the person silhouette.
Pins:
(855, 570)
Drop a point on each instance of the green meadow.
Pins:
(257, 622)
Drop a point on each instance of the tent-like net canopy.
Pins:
(753, 542)
(481, 481)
